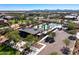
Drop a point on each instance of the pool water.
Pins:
(45, 26)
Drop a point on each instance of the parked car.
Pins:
(72, 37)
(49, 40)
(59, 29)
(65, 50)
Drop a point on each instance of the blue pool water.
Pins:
(45, 26)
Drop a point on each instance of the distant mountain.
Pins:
(58, 10)
(46, 10)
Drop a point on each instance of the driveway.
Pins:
(57, 45)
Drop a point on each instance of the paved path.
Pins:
(57, 45)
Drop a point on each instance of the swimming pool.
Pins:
(45, 26)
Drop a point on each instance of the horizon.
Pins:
(21, 7)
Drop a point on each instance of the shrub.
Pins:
(66, 41)
(72, 31)
(54, 53)
(52, 34)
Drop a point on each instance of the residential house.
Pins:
(2, 21)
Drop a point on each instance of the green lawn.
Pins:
(6, 50)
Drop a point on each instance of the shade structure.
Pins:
(77, 35)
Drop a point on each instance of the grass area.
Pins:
(6, 50)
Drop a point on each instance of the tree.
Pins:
(45, 16)
(13, 35)
(66, 50)
(22, 25)
(31, 39)
(71, 25)
(28, 22)
(72, 32)
(6, 50)
(66, 41)
(52, 34)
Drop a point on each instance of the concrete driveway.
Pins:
(57, 45)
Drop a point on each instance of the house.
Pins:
(8, 17)
(78, 18)
(3, 39)
(15, 26)
(20, 45)
(2, 21)
(41, 17)
(70, 17)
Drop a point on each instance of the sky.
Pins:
(38, 6)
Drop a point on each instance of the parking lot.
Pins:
(57, 45)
